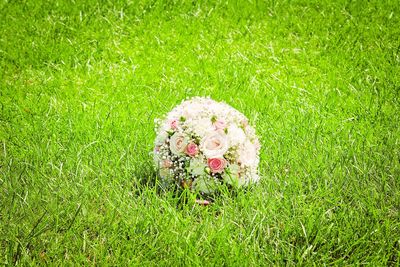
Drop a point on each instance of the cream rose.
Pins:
(214, 145)
(178, 143)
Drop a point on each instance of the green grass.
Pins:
(82, 81)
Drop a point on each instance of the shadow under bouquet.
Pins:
(203, 144)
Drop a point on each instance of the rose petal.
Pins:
(202, 202)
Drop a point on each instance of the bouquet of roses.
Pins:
(202, 144)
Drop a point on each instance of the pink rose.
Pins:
(219, 125)
(192, 149)
(202, 202)
(174, 124)
(167, 163)
(217, 165)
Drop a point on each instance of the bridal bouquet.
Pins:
(202, 144)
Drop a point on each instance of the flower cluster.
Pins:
(202, 144)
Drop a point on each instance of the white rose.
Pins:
(248, 154)
(214, 145)
(201, 127)
(197, 166)
(235, 135)
(178, 143)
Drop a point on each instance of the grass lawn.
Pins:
(81, 83)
